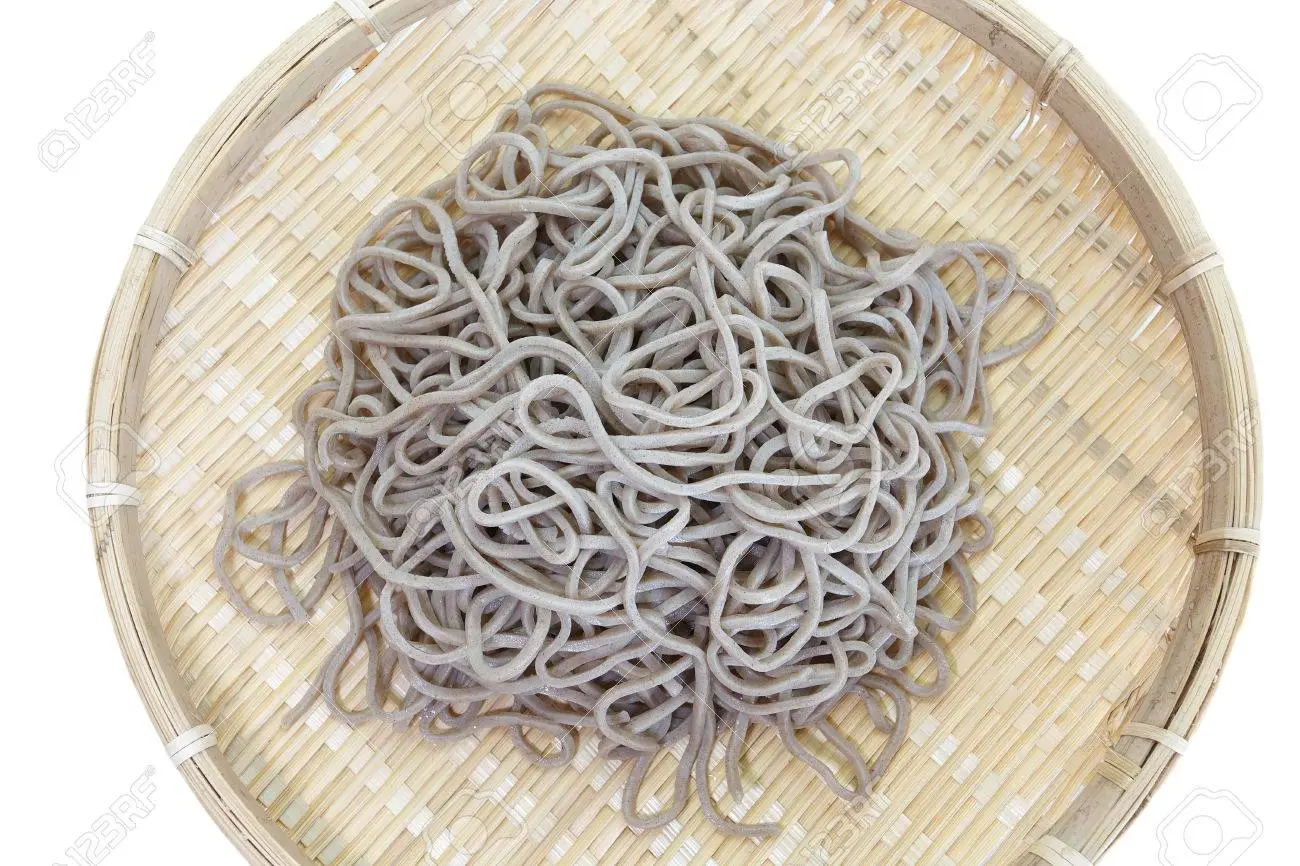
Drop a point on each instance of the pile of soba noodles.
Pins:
(645, 435)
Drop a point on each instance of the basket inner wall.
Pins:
(1087, 470)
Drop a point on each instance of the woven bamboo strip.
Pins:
(1100, 427)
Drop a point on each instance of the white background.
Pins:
(75, 735)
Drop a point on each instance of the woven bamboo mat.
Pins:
(1095, 439)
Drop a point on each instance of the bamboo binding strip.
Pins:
(1124, 772)
(1228, 539)
(1197, 289)
(195, 741)
(179, 254)
(1195, 263)
(111, 494)
(1053, 851)
(370, 23)
(1056, 68)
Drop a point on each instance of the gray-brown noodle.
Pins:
(642, 433)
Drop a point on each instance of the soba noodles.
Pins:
(649, 436)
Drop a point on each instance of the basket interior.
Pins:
(1096, 434)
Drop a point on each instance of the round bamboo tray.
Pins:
(1123, 471)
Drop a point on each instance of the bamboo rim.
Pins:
(1225, 553)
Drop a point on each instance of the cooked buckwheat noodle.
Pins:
(647, 435)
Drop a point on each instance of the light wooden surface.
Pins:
(1095, 468)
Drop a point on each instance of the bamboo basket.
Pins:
(1123, 471)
